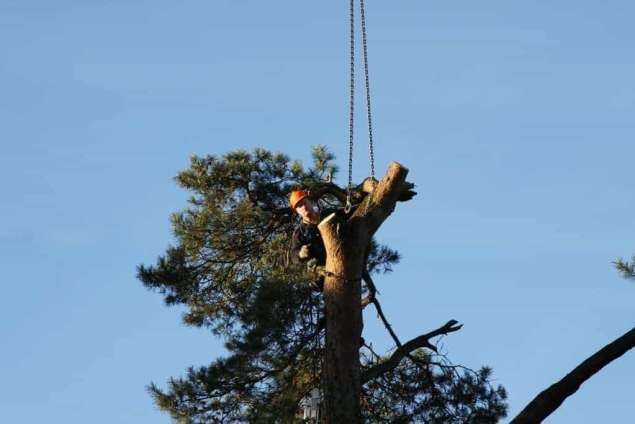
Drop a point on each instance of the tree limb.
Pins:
(405, 349)
(372, 290)
(550, 399)
(372, 298)
(319, 190)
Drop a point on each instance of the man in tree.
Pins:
(307, 245)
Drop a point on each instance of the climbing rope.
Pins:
(351, 126)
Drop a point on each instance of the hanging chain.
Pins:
(371, 152)
(351, 128)
(351, 122)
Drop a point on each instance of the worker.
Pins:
(307, 245)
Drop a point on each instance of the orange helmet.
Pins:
(296, 197)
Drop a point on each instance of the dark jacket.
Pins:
(308, 234)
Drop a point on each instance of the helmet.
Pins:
(296, 197)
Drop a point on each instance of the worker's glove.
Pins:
(304, 252)
(312, 264)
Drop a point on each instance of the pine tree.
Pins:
(230, 267)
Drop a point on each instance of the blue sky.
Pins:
(515, 119)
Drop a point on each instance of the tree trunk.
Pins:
(342, 299)
(346, 244)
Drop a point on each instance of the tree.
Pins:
(230, 268)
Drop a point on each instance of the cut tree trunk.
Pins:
(346, 243)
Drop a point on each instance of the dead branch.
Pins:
(405, 349)
(372, 290)
(372, 298)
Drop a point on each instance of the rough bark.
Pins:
(550, 399)
(346, 244)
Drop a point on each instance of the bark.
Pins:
(346, 243)
(550, 399)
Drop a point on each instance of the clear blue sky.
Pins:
(516, 120)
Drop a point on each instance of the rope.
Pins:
(316, 341)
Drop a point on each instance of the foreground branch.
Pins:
(550, 399)
(405, 349)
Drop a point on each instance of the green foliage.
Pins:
(627, 269)
(230, 268)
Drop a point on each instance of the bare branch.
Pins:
(405, 349)
(372, 298)
(372, 290)
(550, 399)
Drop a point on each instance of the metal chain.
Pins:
(352, 107)
(371, 152)
(351, 138)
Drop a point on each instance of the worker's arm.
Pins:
(300, 252)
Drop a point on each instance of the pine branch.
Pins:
(627, 269)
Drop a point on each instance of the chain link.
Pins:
(351, 122)
(351, 127)
(371, 152)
